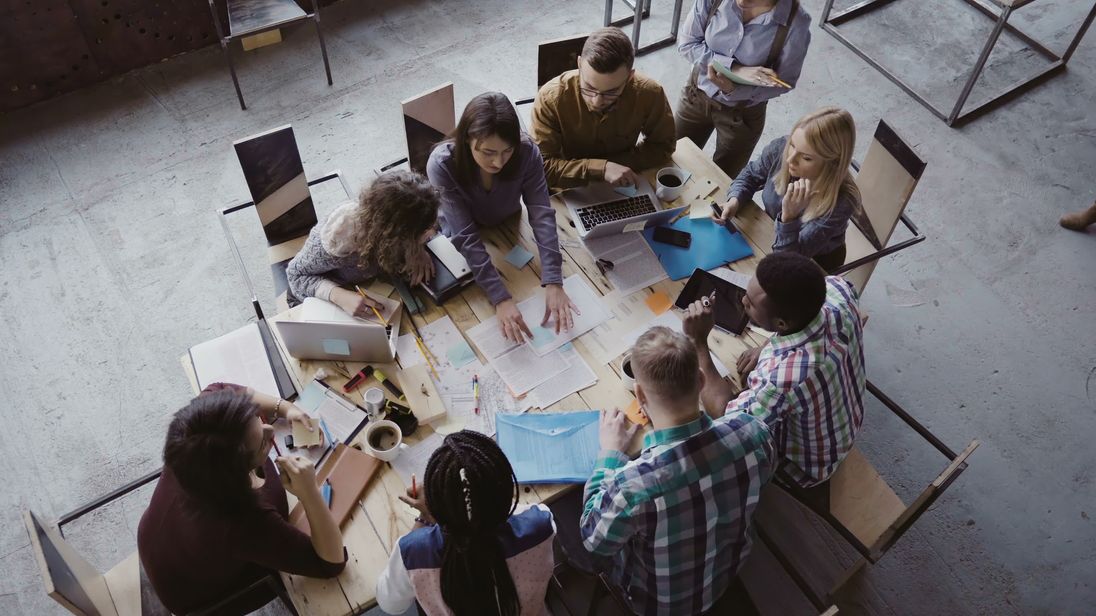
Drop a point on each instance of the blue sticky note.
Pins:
(460, 354)
(627, 191)
(312, 396)
(336, 347)
(519, 257)
(566, 347)
(542, 336)
(711, 247)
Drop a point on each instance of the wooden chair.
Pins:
(427, 119)
(887, 178)
(124, 590)
(856, 503)
(250, 17)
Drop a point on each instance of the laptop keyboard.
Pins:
(612, 211)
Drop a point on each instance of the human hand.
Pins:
(729, 209)
(293, 413)
(615, 431)
(619, 175)
(558, 306)
(698, 321)
(747, 361)
(511, 322)
(353, 303)
(298, 477)
(418, 502)
(722, 82)
(420, 267)
(761, 75)
(796, 199)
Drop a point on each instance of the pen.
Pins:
(783, 83)
(475, 390)
(707, 299)
(414, 487)
(371, 306)
(377, 374)
(325, 491)
(326, 432)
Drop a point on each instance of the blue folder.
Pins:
(550, 447)
(711, 247)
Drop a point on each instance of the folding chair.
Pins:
(427, 118)
(250, 17)
(887, 178)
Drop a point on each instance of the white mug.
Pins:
(669, 193)
(629, 380)
(383, 440)
(374, 400)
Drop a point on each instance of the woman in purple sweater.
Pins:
(484, 171)
(218, 519)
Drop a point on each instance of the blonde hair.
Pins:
(666, 363)
(831, 133)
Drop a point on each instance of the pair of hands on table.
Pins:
(557, 306)
(298, 475)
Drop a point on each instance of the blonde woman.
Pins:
(806, 186)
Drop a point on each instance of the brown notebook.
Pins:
(349, 470)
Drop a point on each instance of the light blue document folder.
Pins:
(550, 447)
(711, 247)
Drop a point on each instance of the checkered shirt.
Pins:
(809, 387)
(675, 522)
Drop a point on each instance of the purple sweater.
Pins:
(464, 209)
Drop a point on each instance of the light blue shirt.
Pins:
(729, 41)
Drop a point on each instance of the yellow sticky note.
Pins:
(635, 414)
(658, 302)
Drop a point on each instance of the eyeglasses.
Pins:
(607, 94)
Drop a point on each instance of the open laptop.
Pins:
(342, 340)
(599, 210)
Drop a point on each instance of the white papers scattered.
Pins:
(237, 357)
(522, 369)
(575, 378)
(671, 320)
(635, 265)
(414, 458)
(738, 279)
(608, 340)
(439, 337)
(457, 395)
(340, 416)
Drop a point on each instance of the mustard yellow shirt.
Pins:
(576, 142)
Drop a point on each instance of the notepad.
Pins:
(550, 447)
(519, 257)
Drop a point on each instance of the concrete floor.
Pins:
(114, 264)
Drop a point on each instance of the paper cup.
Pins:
(670, 183)
(383, 440)
(373, 401)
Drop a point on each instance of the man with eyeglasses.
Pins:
(588, 122)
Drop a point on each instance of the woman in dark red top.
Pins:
(218, 519)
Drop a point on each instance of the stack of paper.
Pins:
(672, 321)
(635, 265)
(608, 340)
(237, 357)
(575, 378)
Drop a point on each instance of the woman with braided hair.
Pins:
(472, 552)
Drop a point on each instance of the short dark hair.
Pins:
(206, 451)
(794, 285)
(490, 113)
(607, 49)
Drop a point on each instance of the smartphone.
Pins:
(666, 235)
(727, 224)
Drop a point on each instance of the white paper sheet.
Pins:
(635, 265)
(575, 378)
(414, 458)
(671, 320)
(237, 357)
(608, 340)
(460, 403)
(522, 369)
(738, 279)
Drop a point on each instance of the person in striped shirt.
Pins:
(807, 382)
(672, 526)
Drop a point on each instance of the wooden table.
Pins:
(372, 531)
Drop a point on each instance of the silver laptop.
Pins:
(360, 340)
(599, 210)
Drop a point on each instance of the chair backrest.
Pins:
(275, 176)
(70, 580)
(427, 119)
(887, 178)
(558, 56)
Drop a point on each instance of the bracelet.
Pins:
(277, 405)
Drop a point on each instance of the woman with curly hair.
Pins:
(385, 232)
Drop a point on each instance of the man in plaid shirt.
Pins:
(808, 384)
(673, 525)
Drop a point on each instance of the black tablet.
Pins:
(729, 314)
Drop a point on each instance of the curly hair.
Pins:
(393, 213)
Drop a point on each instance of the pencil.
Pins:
(371, 306)
(783, 83)
(426, 356)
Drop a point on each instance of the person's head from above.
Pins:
(786, 292)
(819, 149)
(212, 446)
(397, 213)
(471, 491)
(486, 139)
(668, 377)
(605, 67)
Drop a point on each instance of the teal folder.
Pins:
(550, 447)
(711, 247)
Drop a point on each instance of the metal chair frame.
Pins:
(642, 10)
(956, 116)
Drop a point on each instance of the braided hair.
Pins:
(471, 491)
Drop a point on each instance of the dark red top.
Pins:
(195, 556)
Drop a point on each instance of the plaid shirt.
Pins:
(809, 387)
(676, 521)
